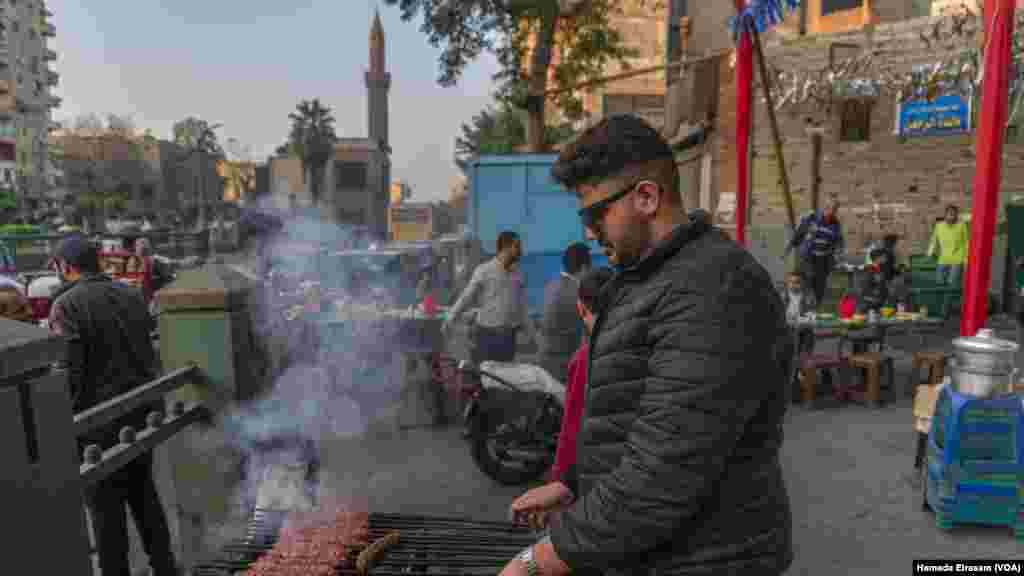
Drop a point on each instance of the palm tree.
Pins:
(312, 139)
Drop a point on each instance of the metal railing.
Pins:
(176, 243)
(99, 463)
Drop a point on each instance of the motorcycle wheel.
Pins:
(504, 471)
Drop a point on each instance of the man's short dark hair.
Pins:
(79, 252)
(506, 238)
(590, 288)
(576, 257)
(954, 208)
(609, 147)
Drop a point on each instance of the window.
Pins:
(35, 65)
(831, 6)
(16, 26)
(349, 175)
(855, 120)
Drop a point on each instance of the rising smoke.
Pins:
(334, 379)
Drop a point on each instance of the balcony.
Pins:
(48, 30)
(49, 55)
(52, 77)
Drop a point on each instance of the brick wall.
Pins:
(889, 184)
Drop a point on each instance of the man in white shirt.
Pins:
(498, 287)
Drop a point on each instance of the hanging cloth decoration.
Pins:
(763, 14)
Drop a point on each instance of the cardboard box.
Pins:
(924, 407)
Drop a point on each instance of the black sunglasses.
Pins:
(591, 215)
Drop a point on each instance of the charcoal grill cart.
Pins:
(419, 340)
(40, 491)
(442, 546)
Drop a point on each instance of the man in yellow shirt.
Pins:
(949, 241)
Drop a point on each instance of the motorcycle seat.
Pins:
(526, 377)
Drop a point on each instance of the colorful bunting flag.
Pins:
(763, 14)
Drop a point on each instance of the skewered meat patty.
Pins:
(313, 544)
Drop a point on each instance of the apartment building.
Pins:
(26, 80)
(153, 176)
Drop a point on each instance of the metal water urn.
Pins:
(984, 366)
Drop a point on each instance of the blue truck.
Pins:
(516, 192)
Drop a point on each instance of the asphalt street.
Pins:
(847, 470)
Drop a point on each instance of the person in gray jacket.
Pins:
(561, 326)
(677, 469)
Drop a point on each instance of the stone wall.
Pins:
(888, 184)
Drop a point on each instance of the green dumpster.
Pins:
(205, 320)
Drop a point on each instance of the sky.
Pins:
(247, 63)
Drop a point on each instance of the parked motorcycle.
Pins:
(513, 428)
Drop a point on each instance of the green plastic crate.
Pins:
(933, 297)
(922, 262)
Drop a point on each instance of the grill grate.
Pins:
(435, 546)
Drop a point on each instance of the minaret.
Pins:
(378, 82)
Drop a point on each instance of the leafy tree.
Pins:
(101, 178)
(501, 130)
(240, 170)
(521, 32)
(120, 125)
(198, 138)
(312, 139)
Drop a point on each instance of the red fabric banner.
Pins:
(988, 163)
(744, 82)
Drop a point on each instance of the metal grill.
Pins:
(435, 546)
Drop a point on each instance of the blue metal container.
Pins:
(516, 192)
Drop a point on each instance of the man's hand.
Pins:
(534, 507)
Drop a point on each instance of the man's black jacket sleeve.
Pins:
(64, 324)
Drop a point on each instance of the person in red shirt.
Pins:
(586, 306)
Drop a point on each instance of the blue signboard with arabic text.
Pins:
(949, 114)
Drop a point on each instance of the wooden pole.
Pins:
(638, 72)
(815, 170)
(777, 139)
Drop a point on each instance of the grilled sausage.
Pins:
(369, 556)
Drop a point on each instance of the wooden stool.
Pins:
(871, 364)
(934, 361)
(810, 364)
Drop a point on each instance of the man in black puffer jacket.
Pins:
(678, 458)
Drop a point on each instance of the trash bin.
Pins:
(206, 319)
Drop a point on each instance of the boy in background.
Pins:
(587, 305)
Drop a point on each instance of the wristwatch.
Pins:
(526, 557)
